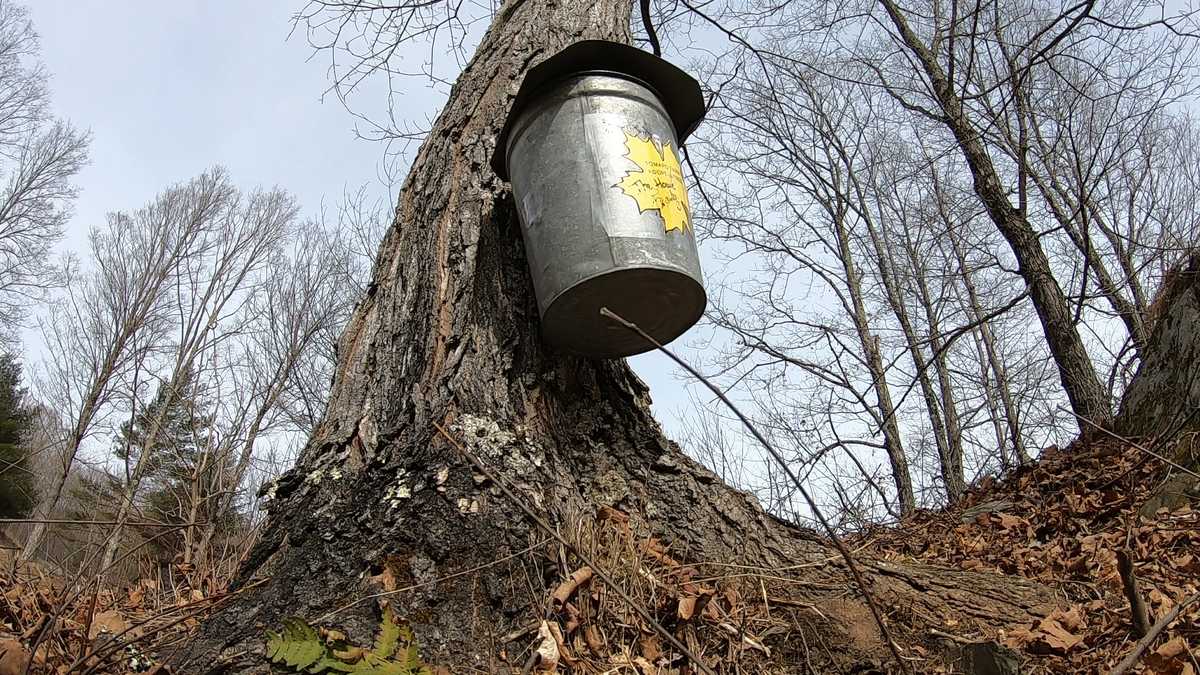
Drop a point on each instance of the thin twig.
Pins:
(59, 521)
(812, 505)
(1129, 584)
(1159, 626)
(605, 576)
(87, 626)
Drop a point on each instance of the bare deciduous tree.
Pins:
(800, 217)
(110, 318)
(1042, 125)
(239, 235)
(274, 376)
(39, 157)
(1042, 101)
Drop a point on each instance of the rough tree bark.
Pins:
(1164, 396)
(448, 334)
(1162, 403)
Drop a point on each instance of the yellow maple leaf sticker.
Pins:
(657, 185)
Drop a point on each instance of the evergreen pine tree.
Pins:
(16, 418)
(182, 453)
(184, 428)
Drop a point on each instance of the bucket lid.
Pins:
(678, 91)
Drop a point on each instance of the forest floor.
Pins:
(77, 625)
(1067, 521)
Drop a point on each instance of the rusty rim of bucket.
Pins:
(678, 92)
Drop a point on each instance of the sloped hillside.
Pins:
(1075, 521)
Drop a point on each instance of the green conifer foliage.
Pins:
(16, 418)
(185, 461)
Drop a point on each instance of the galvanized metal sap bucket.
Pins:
(592, 150)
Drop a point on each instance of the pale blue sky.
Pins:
(171, 88)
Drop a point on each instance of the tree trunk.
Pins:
(951, 459)
(229, 479)
(1162, 403)
(1052, 188)
(193, 512)
(995, 417)
(889, 426)
(447, 334)
(1075, 369)
(1164, 396)
(994, 362)
(891, 286)
(45, 509)
(81, 424)
(133, 481)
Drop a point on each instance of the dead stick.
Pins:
(812, 505)
(87, 627)
(1137, 606)
(1144, 644)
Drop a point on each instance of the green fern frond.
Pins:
(297, 647)
(303, 650)
(389, 636)
(392, 668)
(329, 664)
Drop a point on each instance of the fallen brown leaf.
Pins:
(13, 657)
(110, 622)
(547, 650)
(567, 588)
(1170, 658)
